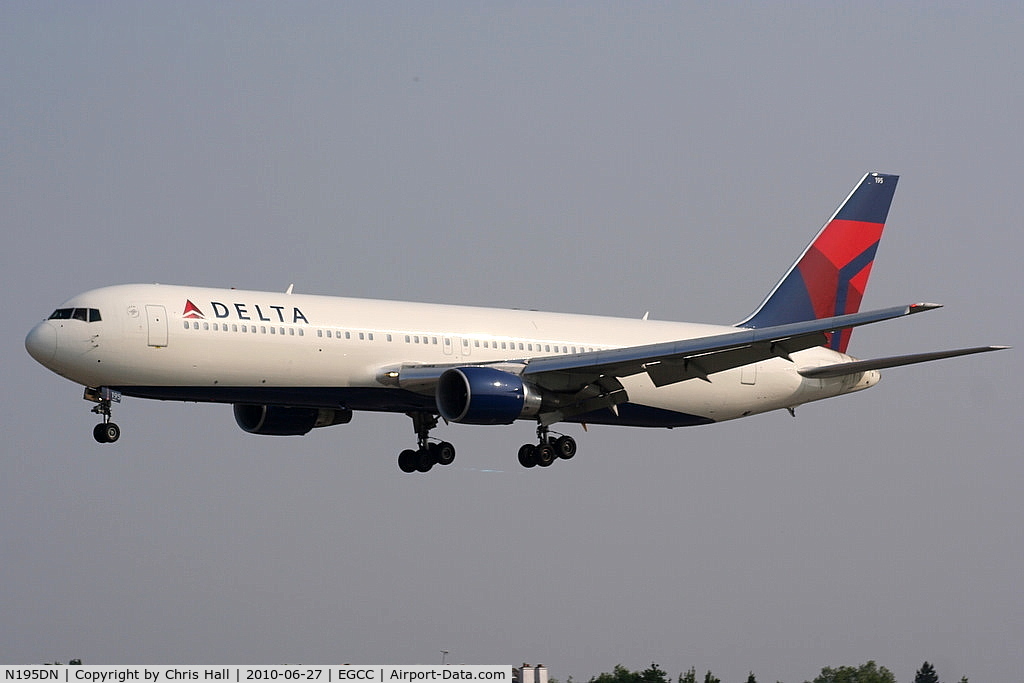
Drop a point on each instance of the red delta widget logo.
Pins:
(243, 311)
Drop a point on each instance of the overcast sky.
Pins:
(597, 158)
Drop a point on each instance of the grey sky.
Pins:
(579, 157)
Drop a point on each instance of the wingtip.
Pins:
(921, 307)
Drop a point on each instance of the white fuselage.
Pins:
(235, 346)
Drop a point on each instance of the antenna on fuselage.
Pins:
(290, 288)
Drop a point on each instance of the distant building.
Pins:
(530, 674)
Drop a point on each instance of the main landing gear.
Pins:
(106, 431)
(429, 453)
(432, 453)
(548, 450)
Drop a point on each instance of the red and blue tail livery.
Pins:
(830, 276)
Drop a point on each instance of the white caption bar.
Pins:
(258, 674)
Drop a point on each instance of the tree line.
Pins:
(869, 672)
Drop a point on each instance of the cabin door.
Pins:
(157, 319)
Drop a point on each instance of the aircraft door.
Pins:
(157, 319)
(748, 374)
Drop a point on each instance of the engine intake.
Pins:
(485, 396)
(286, 420)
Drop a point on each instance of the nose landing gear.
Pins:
(106, 431)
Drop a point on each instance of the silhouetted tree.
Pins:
(619, 674)
(710, 678)
(865, 673)
(689, 677)
(652, 674)
(751, 679)
(926, 674)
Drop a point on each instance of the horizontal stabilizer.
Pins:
(841, 369)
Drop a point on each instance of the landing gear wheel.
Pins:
(545, 455)
(528, 455)
(407, 461)
(424, 460)
(427, 454)
(106, 432)
(565, 447)
(444, 453)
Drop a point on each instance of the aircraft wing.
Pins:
(676, 361)
(589, 381)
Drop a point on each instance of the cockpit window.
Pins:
(89, 315)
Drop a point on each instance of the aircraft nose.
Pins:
(41, 342)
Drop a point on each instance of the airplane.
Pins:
(289, 363)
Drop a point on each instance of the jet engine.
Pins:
(286, 420)
(485, 396)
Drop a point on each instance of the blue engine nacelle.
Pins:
(285, 420)
(485, 396)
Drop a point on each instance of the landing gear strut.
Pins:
(428, 453)
(548, 450)
(106, 431)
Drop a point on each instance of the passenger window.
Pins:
(186, 324)
(361, 338)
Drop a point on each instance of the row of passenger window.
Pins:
(247, 329)
(431, 340)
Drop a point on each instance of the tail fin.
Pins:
(831, 274)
